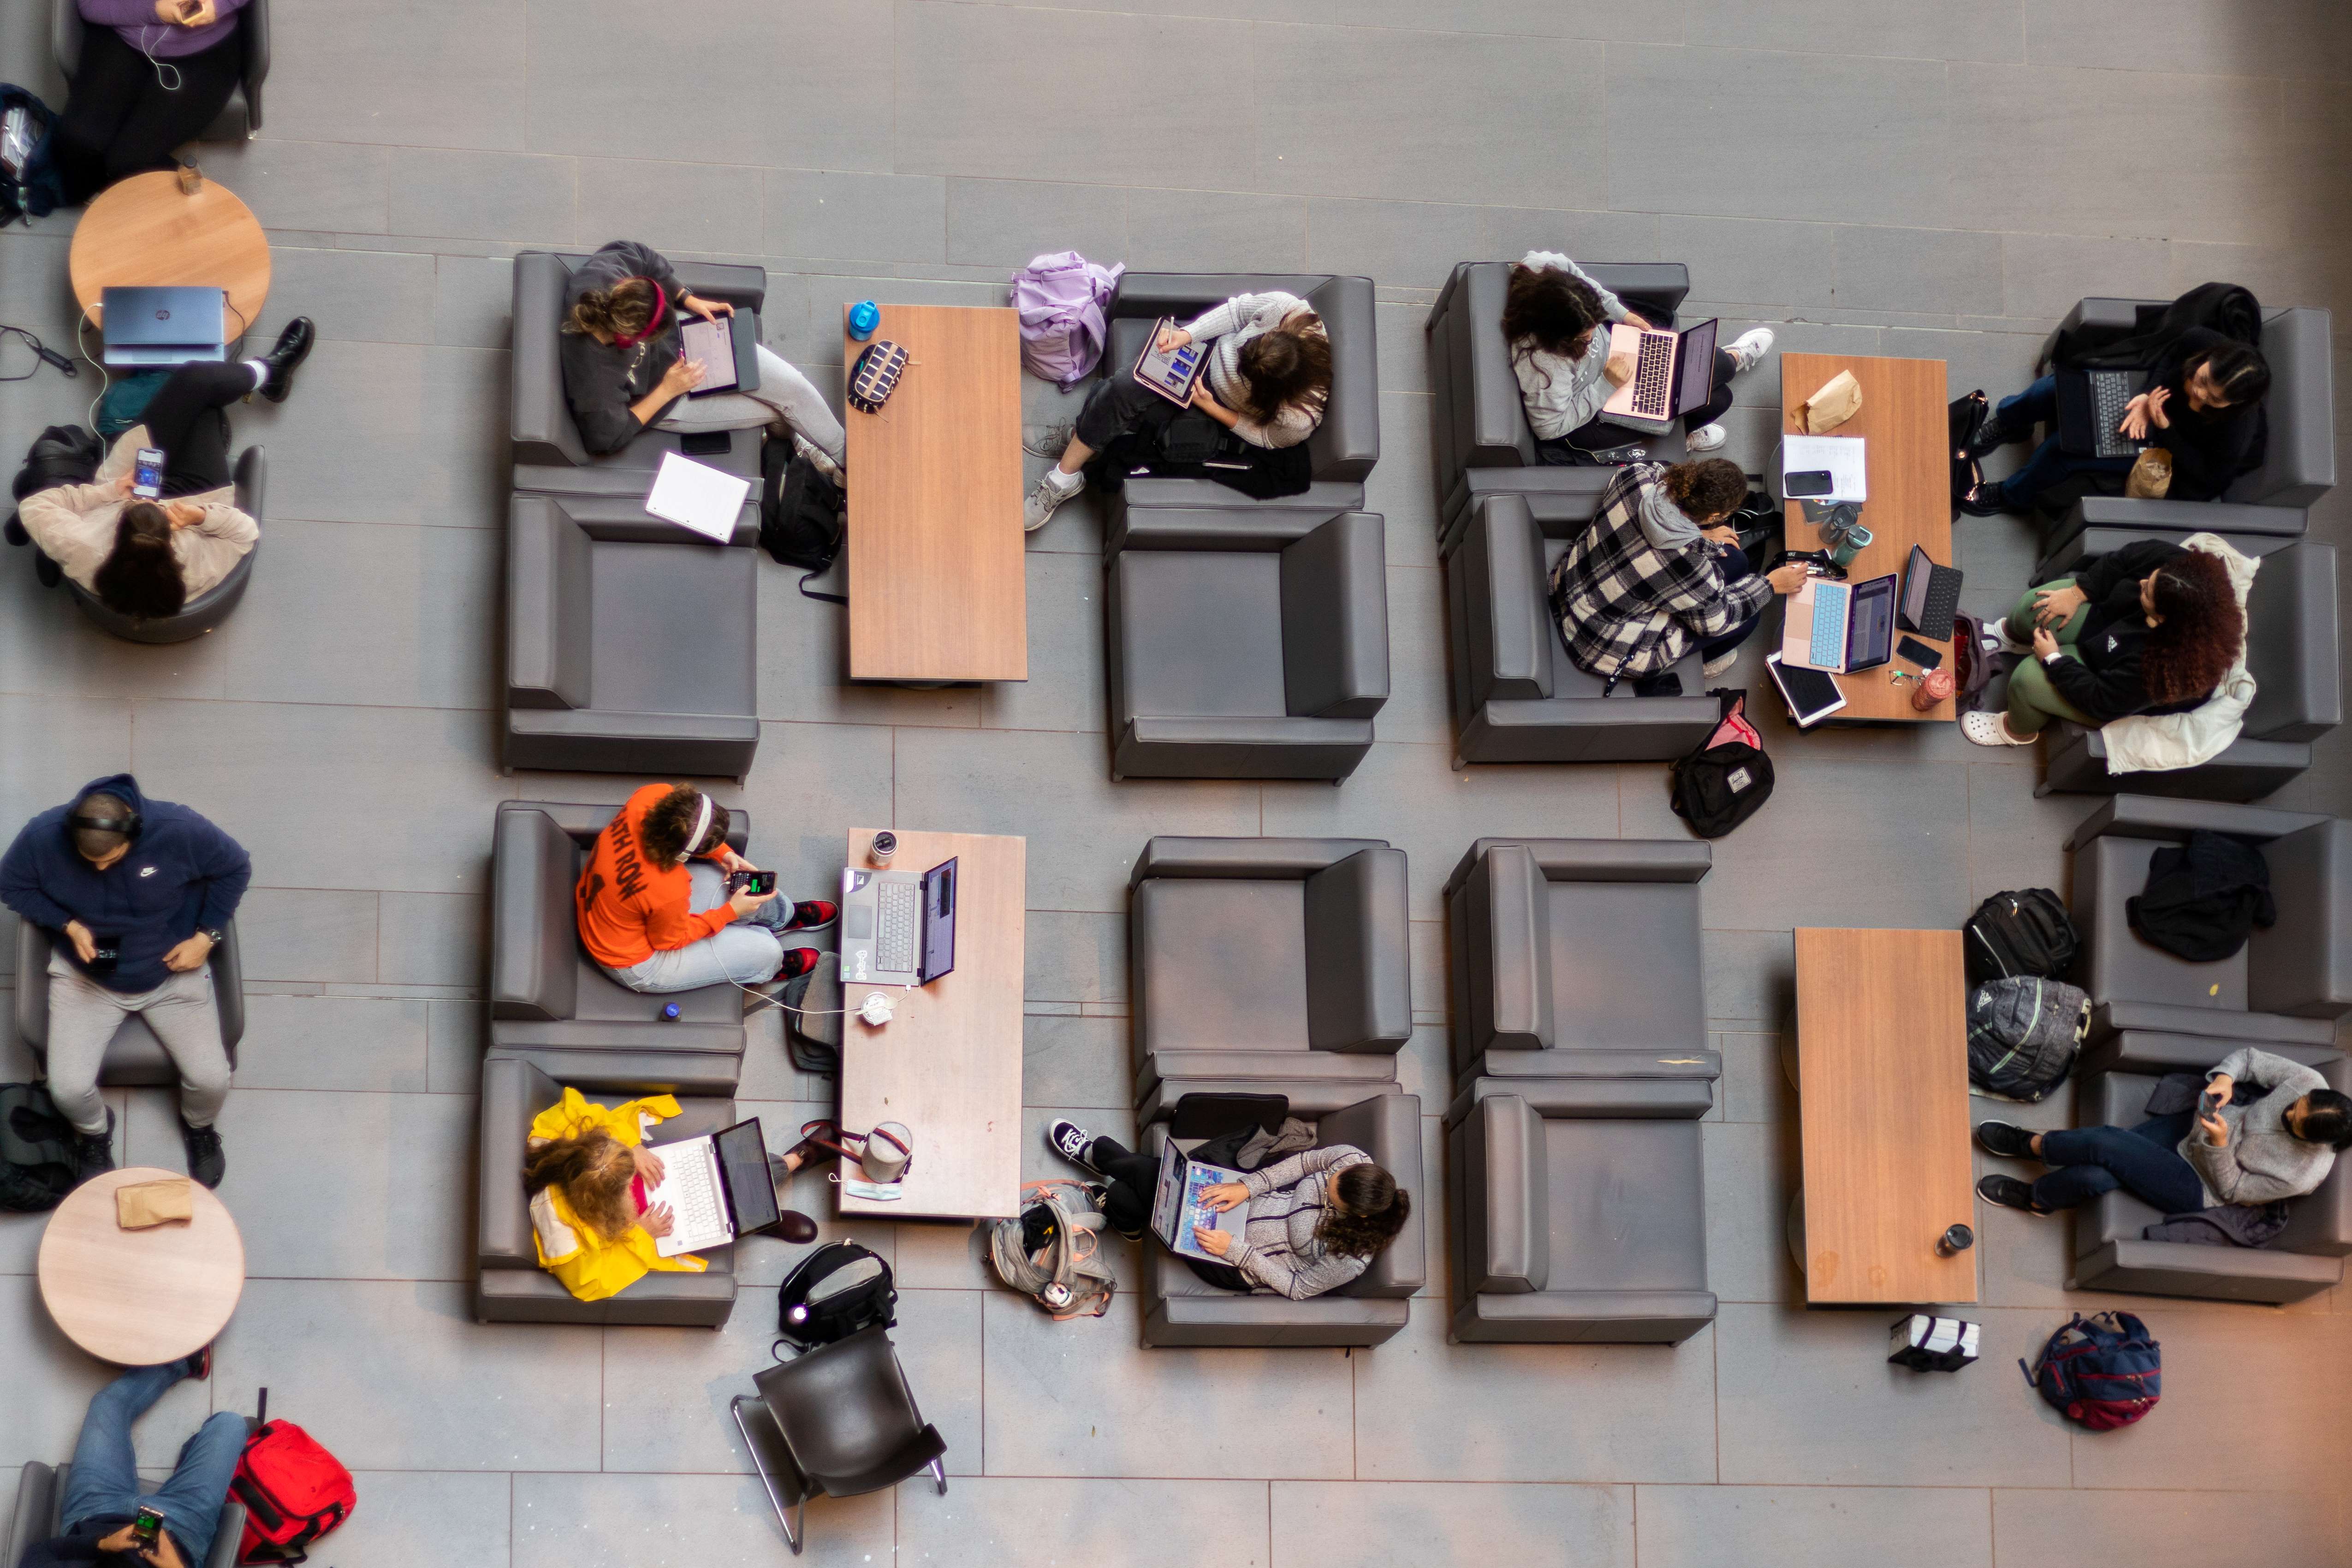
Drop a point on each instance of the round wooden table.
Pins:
(143, 231)
(140, 1297)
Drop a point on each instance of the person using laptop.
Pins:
(1557, 319)
(2149, 629)
(1309, 1224)
(1267, 380)
(658, 912)
(153, 74)
(624, 367)
(1659, 571)
(2202, 403)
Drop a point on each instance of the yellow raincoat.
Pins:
(591, 1267)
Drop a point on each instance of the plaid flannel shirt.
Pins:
(1626, 608)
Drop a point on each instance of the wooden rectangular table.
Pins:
(948, 1066)
(938, 581)
(1883, 1070)
(1903, 426)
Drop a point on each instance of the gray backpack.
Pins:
(2023, 1034)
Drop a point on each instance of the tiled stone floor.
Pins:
(1896, 176)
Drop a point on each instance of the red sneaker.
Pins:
(798, 961)
(814, 915)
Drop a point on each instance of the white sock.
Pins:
(1064, 482)
(260, 369)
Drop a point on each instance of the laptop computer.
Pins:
(2091, 406)
(898, 927)
(1672, 372)
(1931, 596)
(718, 1186)
(157, 328)
(728, 350)
(1839, 626)
(1176, 1205)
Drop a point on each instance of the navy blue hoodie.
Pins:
(183, 875)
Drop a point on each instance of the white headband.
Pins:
(702, 826)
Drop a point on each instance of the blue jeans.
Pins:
(1734, 563)
(747, 953)
(2037, 405)
(2145, 1161)
(104, 1482)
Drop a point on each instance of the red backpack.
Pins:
(294, 1492)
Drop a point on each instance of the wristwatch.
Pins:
(213, 934)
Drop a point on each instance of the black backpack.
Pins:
(2022, 932)
(802, 515)
(60, 455)
(2024, 1033)
(34, 190)
(36, 1149)
(837, 1290)
(811, 1007)
(1727, 779)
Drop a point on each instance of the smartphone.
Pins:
(147, 1525)
(1808, 482)
(762, 883)
(1919, 653)
(147, 474)
(2207, 1106)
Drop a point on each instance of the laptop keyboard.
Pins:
(1943, 600)
(1827, 647)
(694, 1205)
(1652, 374)
(2111, 393)
(899, 907)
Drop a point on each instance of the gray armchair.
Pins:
(1244, 645)
(1575, 1219)
(240, 119)
(1268, 961)
(1518, 698)
(510, 1286)
(550, 1002)
(2287, 985)
(2292, 651)
(548, 455)
(1481, 444)
(41, 1491)
(208, 609)
(134, 1058)
(632, 645)
(1577, 959)
(1181, 1309)
(2110, 1252)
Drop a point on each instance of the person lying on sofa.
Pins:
(1268, 381)
(104, 1492)
(2277, 1142)
(1310, 1222)
(2149, 629)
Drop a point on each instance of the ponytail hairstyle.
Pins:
(2199, 631)
(1376, 1210)
(1550, 309)
(1708, 488)
(622, 312)
(2328, 1118)
(2239, 370)
(670, 822)
(140, 577)
(1288, 367)
(594, 1171)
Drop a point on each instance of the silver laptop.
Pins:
(898, 927)
(157, 328)
(718, 1186)
(1673, 373)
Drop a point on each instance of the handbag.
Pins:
(2151, 475)
(1967, 415)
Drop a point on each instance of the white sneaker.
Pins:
(1706, 439)
(2009, 643)
(1749, 349)
(805, 447)
(1052, 491)
(1718, 664)
(1991, 730)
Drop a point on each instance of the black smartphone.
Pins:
(147, 474)
(2207, 1106)
(1808, 482)
(147, 1524)
(1919, 653)
(762, 883)
(106, 954)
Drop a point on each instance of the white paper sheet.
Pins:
(1841, 455)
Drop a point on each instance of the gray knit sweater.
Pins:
(1230, 325)
(2262, 1160)
(1278, 1249)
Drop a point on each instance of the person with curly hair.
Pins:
(2149, 629)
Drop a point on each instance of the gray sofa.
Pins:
(134, 1058)
(548, 455)
(208, 609)
(1180, 1309)
(1244, 645)
(1577, 961)
(2293, 651)
(1480, 441)
(1517, 696)
(2286, 986)
(1267, 961)
(632, 647)
(239, 119)
(41, 1491)
(550, 1002)
(2110, 1253)
(1575, 1218)
(510, 1286)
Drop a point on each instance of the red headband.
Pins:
(653, 323)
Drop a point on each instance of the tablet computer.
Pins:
(728, 350)
(1172, 376)
(1812, 695)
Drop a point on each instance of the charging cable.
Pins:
(44, 354)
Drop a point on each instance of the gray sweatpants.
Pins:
(784, 393)
(83, 1016)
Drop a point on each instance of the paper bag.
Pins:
(2151, 475)
(1839, 400)
(143, 1206)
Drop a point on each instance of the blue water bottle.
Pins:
(670, 1013)
(864, 317)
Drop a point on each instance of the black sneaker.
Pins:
(200, 1365)
(1072, 1142)
(293, 348)
(2005, 1139)
(814, 914)
(1992, 435)
(93, 1152)
(2009, 1193)
(206, 1160)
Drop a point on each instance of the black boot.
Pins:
(93, 1152)
(207, 1163)
(293, 348)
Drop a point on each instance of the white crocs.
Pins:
(1991, 730)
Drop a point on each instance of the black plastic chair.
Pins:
(839, 1420)
(208, 609)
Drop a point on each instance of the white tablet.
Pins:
(1812, 695)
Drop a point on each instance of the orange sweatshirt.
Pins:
(630, 909)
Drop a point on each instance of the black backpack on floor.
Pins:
(1727, 779)
(2026, 931)
(804, 515)
(837, 1290)
(37, 1168)
(2024, 1033)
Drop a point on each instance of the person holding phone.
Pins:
(106, 1502)
(152, 75)
(658, 910)
(2265, 1129)
(625, 370)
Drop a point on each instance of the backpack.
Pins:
(31, 188)
(1060, 297)
(811, 1007)
(2101, 1372)
(37, 1168)
(123, 404)
(804, 515)
(2024, 1033)
(294, 1492)
(60, 455)
(1971, 665)
(1051, 1252)
(2027, 931)
(1723, 782)
(837, 1290)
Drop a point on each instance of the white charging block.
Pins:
(878, 1007)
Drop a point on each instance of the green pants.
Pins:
(2032, 700)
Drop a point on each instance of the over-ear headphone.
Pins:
(128, 823)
